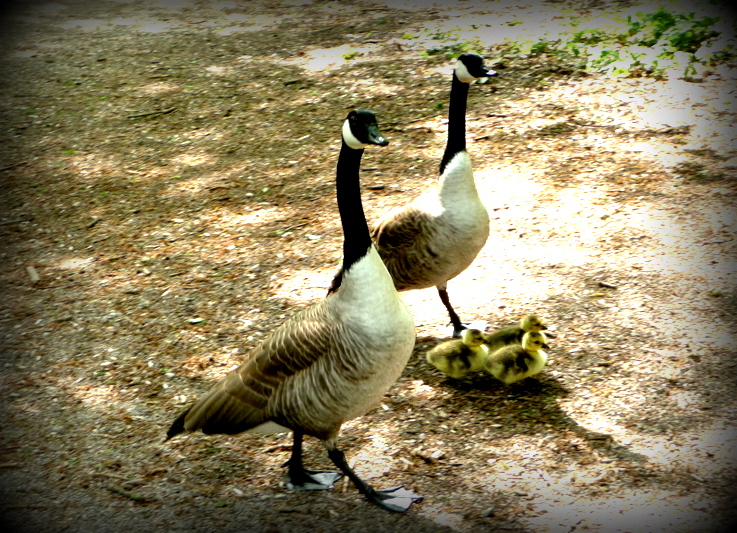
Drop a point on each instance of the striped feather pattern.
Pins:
(319, 369)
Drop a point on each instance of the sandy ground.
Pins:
(168, 200)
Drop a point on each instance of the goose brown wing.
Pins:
(239, 401)
(400, 230)
(292, 348)
(405, 241)
(397, 237)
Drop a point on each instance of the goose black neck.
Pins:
(357, 240)
(456, 121)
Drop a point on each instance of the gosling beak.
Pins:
(546, 346)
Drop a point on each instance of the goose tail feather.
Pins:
(217, 412)
(178, 426)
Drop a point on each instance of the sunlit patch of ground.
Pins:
(175, 196)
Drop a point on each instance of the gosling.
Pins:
(516, 362)
(457, 357)
(513, 334)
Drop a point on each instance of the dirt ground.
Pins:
(168, 200)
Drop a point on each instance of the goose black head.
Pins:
(471, 67)
(360, 129)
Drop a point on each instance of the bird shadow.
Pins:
(530, 406)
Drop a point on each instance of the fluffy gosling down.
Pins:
(514, 334)
(518, 361)
(458, 357)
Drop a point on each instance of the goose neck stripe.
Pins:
(456, 121)
(357, 240)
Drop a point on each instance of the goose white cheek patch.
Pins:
(350, 139)
(462, 73)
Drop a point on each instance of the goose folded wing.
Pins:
(239, 401)
(289, 350)
(400, 230)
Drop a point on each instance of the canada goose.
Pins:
(438, 235)
(516, 362)
(458, 357)
(513, 334)
(329, 363)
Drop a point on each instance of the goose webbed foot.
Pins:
(480, 325)
(302, 479)
(397, 499)
(298, 478)
(457, 331)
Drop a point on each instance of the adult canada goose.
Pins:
(438, 235)
(513, 334)
(458, 357)
(330, 362)
(516, 362)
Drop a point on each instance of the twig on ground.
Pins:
(587, 125)
(153, 113)
(16, 221)
(294, 226)
(127, 493)
(8, 167)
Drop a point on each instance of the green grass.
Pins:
(662, 42)
(656, 44)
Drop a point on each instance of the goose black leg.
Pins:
(299, 478)
(397, 499)
(458, 327)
